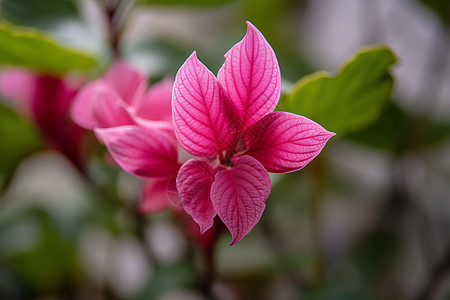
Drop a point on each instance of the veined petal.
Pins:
(194, 186)
(199, 109)
(141, 151)
(155, 105)
(154, 195)
(239, 195)
(162, 126)
(285, 142)
(128, 82)
(251, 76)
(109, 110)
(98, 105)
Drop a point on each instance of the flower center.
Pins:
(225, 158)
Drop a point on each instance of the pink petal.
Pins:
(163, 126)
(285, 142)
(97, 105)
(239, 195)
(140, 151)
(251, 76)
(200, 112)
(128, 82)
(109, 110)
(50, 105)
(18, 86)
(194, 185)
(156, 104)
(154, 196)
(82, 107)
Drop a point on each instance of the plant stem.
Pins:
(438, 274)
(141, 223)
(317, 177)
(115, 11)
(209, 274)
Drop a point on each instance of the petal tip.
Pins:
(330, 134)
(192, 57)
(252, 28)
(249, 24)
(204, 229)
(234, 241)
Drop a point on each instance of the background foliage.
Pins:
(368, 219)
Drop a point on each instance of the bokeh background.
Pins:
(376, 227)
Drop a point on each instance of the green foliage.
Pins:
(350, 100)
(376, 253)
(396, 131)
(165, 279)
(185, 2)
(18, 138)
(30, 48)
(440, 7)
(44, 257)
(42, 14)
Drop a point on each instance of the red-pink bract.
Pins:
(194, 186)
(230, 121)
(135, 125)
(47, 99)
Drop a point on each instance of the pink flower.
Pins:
(229, 124)
(46, 100)
(136, 127)
(120, 98)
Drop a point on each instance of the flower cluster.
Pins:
(227, 123)
(46, 99)
(136, 126)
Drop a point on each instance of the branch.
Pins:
(438, 274)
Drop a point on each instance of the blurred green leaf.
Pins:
(440, 7)
(387, 133)
(352, 99)
(166, 279)
(185, 2)
(375, 254)
(49, 263)
(18, 138)
(396, 131)
(42, 14)
(26, 47)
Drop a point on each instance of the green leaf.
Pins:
(166, 279)
(396, 131)
(350, 100)
(18, 139)
(42, 14)
(49, 260)
(376, 253)
(440, 7)
(185, 2)
(30, 48)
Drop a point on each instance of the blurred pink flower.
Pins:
(46, 100)
(135, 125)
(229, 124)
(120, 98)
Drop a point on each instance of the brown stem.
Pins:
(115, 11)
(438, 274)
(209, 274)
(141, 224)
(316, 176)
